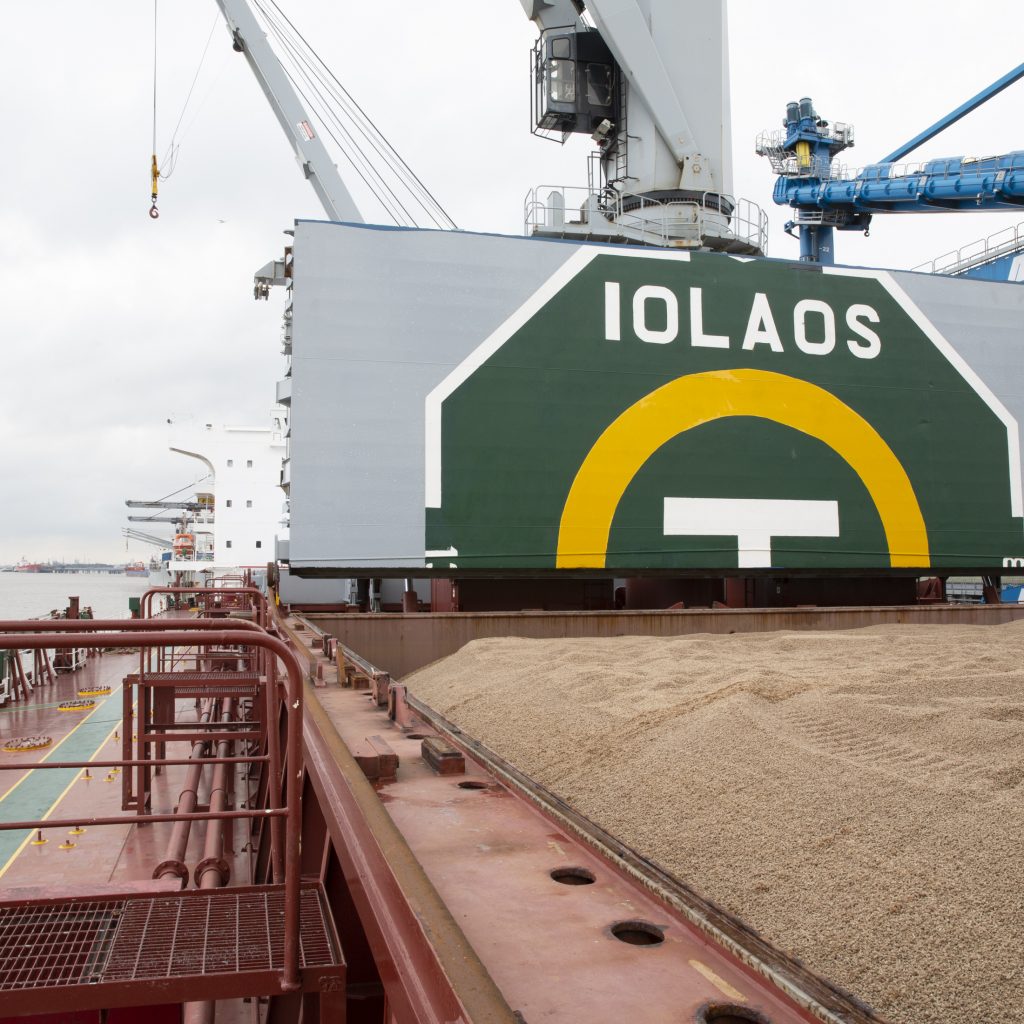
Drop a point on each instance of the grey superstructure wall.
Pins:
(463, 402)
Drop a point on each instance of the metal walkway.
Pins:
(139, 949)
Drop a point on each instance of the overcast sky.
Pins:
(113, 323)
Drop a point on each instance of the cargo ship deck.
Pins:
(429, 876)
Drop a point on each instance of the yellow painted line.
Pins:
(28, 768)
(720, 983)
(63, 739)
(14, 856)
(698, 398)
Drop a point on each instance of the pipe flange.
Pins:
(172, 867)
(218, 864)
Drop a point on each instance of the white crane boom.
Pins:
(316, 164)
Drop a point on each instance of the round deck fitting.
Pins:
(76, 831)
(94, 691)
(637, 933)
(39, 840)
(172, 867)
(21, 743)
(728, 1013)
(573, 876)
(218, 864)
(76, 705)
(67, 845)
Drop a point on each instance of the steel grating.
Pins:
(215, 689)
(187, 934)
(190, 676)
(223, 933)
(44, 946)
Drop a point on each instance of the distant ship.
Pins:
(24, 566)
(136, 569)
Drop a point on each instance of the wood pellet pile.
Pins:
(856, 796)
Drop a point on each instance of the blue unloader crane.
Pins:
(825, 197)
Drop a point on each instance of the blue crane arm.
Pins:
(956, 183)
(805, 158)
(953, 116)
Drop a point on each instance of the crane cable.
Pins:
(343, 119)
(170, 158)
(154, 167)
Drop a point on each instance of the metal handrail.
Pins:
(748, 222)
(956, 260)
(215, 633)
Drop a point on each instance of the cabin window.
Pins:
(259, 543)
(227, 504)
(231, 462)
(562, 81)
(227, 543)
(561, 47)
(248, 503)
(248, 463)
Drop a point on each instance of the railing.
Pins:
(983, 250)
(786, 164)
(148, 634)
(652, 221)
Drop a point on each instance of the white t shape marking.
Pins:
(752, 521)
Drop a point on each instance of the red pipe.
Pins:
(260, 603)
(120, 625)
(173, 865)
(25, 826)
(210, 871)
(37, 765)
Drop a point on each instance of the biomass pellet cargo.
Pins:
(854, 796)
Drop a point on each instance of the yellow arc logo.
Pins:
(698, 398)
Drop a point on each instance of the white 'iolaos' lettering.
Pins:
(810, 310)
(655, 295)
(816, 324)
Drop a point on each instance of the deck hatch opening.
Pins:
(729, 1014)
(638, 933)
(573, 876)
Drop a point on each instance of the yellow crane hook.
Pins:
(155, 172)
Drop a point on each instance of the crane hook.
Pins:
(155, 174)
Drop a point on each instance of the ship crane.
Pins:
(826, 197)
(188, 506)
(145, 538)
(250, 40)
(656, 104)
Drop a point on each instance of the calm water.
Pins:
(29, 595)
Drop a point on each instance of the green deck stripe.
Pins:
(37, 794)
